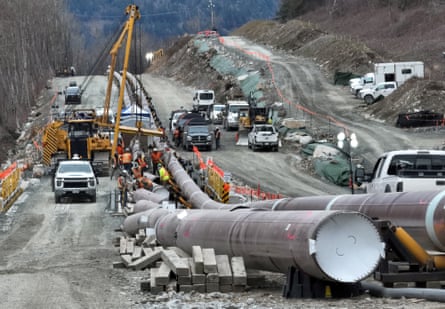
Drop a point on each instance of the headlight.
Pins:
(91, 182)
(59, 182)
(189, 138)
(209, 137)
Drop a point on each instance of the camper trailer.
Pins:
(398, 72)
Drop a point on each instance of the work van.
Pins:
(203, 99)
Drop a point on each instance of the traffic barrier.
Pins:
(256, 193)
(9, 186)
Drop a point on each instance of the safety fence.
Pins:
(221, 188)
(9, 186)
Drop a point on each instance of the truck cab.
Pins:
(357, 84)
(407, 171)
(203, 99)
(232, 113)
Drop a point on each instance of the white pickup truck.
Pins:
(263, 136)
(378, 92)
(405, 171)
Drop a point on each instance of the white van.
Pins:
(202, 99)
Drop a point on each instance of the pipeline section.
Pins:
(421, 213)
(330, 245)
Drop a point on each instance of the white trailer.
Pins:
(398, 72)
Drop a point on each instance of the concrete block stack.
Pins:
(173, 269)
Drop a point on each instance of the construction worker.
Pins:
(156, 157)
(144, 183)
(217, 137)
(127, 159)
(164, 176)
(163, 137)
(177, 136)
(141, 162)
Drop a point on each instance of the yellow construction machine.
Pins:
(87, 134)
(253, 113)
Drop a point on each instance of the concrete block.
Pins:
(181, 253)
(126, 259)
(200, 288)
(238, 288)
(209, 258)
(137, 253)
(212, 287)
(119, 264)
(122, 245)
(186, 288)
(238, 270)
(212, 278)
(198, 259)
(224, 270)
(146, 260)
(162, 275)
(225, 288)
(176, 264)
(130, 245)
(197, 278)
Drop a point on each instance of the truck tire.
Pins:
(93, 198)
(56, 199)
(368, 99)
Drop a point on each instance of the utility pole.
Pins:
(211, 6)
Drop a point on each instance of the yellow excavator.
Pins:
(85, 133)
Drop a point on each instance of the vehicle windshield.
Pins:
(72, 91)
(218, 108)
(198, 130)
(72, 168)
(206, 96)
(234, 109)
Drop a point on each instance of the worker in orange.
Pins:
(156, 158)
(163, 137)
(141, 162)
(144, 183)
(118, 155)
(177, 136)
(127, 159)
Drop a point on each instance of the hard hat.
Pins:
(76, 156)
(127, 149)
(159, 165)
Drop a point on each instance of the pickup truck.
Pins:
(263, 136)
(196, 132)
(381, 90)
(364, 82)
(405, 171)
(75, 178)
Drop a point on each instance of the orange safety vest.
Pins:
(126, 158)
(142, 162)
(136, 172)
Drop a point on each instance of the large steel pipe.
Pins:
(421, 214)
(330, 245)
(133, 223)
(188, 187)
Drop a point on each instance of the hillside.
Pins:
(342, 43)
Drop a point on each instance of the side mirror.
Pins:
(97, 180)
(359, 175)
